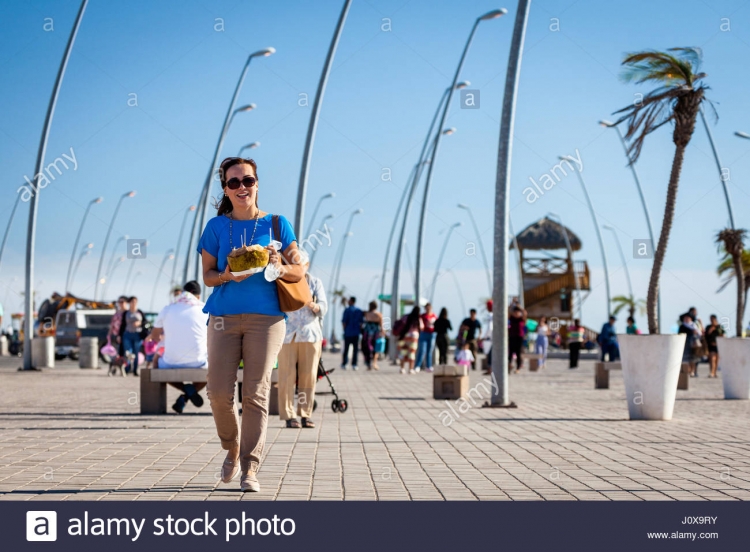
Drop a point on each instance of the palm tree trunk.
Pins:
(661, 249)
(740, 274)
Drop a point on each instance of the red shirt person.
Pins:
(426, 346)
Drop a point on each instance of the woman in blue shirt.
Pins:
(245, 320)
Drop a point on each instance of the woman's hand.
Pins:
(273, 257)
(227, 276)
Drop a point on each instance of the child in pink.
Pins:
(465, 357)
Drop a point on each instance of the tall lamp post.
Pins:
(106, 241)
(179, 242)
(411, 184)
(78, 237)
(84, 252)
(451, 228)
(312, 257)
(631, 164)
(299, 214)
(336, 274)
(110, 264)
(7, 228)
(458, 290)
(598, 233)
(132, 284)
(395, 280)
(622, 258)
(317, 206)
(203, 202)
(167, 256)
(34, 202)
(337, 265)
(251, 145)
(500, 393)
(494, 14)
(111, 273)
(719, 166)
(481, 244)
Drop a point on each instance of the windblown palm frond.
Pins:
(732, 241)
(677, 99)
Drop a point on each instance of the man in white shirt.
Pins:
(183, 325)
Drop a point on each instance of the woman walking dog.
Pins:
(245, 319)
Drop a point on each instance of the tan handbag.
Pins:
(292, 295)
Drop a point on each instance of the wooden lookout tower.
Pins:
(548, 278)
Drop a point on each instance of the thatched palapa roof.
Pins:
(546, 234)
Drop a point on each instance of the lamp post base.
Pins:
(509, 405)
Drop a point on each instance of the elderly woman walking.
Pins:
(300, 354)
(245, 319)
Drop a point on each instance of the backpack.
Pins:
(399, 326)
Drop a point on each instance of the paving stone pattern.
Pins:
(72, 434)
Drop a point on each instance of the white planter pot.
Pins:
(734, 359)
(650, 367)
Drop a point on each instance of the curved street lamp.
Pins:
(719, 166)
(203, 201)
(395, 280)
(317, 206)
(603, 251)
(631, 164)
(337, 269)
(252, 145)
(110, 264)
(622, 258)
(451, 228)
(179, 242)
(106, 240)
(7, 228)
(132, 284)
(28, 308)
(312, 257)
(85, 251)
(299, 214)
(110, 274)
(481, 244)
(167, 256)
(494, 14)
(68, 279)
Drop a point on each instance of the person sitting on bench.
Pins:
(183, 325)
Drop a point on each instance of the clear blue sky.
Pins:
(381, 95)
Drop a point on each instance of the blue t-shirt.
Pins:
(352, 320)
(253, 295)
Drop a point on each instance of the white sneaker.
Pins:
(402, 371)
(343, 367)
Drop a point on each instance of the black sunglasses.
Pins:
(247, 182)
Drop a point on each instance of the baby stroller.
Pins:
(338, 405)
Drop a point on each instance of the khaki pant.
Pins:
(256, 339)
(298, 361)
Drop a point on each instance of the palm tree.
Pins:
(733, 242)
(726, 268)
(629, 302)
(677, 98)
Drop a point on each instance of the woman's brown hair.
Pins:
(224, 205)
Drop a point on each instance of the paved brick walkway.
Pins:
(71, 434)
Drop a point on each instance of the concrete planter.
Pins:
(650, 367)
(734, 359)
(43, 352)
(88, 353)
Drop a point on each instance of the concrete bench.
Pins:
(154, 387)
(450, 382)
(602, 369)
